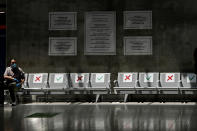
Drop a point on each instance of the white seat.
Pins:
(126, 83)
(79, 80)
(170, 83)
(100, 80)
(37, 83)
(58, 83)
(99, 84)
(189, 85)
(148, 82)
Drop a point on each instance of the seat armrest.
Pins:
(109, 83)
(115, 82)
(136, 83)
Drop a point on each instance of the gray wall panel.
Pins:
(174, 36)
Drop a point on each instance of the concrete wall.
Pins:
(174, 36)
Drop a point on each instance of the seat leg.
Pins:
(97, 97)
(7, 98)
(115, 92)
(125, 97)
(46, 97)
(33, 97)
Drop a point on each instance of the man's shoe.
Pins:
(14, 104)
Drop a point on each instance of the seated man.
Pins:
(14, 77)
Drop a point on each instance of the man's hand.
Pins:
(22, 81)
(18, 85)
(16, 80)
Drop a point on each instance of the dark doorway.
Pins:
(2, 51)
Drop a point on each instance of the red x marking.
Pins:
(170, 125)
(170, 77)
(79, 78)
(38, 78)
(127, 77)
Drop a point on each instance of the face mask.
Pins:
(14, 66)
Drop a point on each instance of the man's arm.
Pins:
(9, 77)
(6, 76)
(23, 75)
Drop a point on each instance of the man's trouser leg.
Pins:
(11, 88)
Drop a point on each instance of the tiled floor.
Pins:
(103, 117)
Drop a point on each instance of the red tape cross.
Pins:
(127, 77)
(79, 78)
(170, 77)
(170, 125)
(38, 78)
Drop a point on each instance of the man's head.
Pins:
(13, 64)
(13, 61)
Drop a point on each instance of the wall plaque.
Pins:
(62, 20)
(137, 19)
(138, 45)
(62, 46)
(100, 33)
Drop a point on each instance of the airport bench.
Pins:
(155, 83)
(134, 83)
(64, 83)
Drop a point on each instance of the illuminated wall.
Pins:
(174, 29)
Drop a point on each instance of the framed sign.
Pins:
(138, 45)
(62, 46)
(137, 19)
(100, 33)
(62, 20)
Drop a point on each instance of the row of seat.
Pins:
(99, 83)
